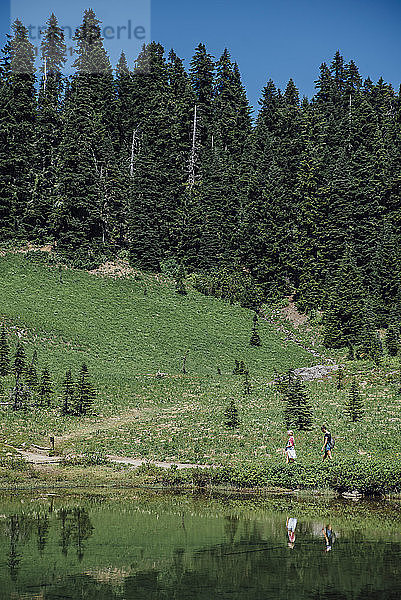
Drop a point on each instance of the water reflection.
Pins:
(152, 548)
(291, 525)
(19, 529)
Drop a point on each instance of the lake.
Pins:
(149, 545)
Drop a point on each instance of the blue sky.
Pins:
(271, 38)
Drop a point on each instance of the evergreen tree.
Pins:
(31, 378)
(68, 394)
(231, 416)
(255, 337)
(202, 72)
(20, 397)
(247, 383)
(242, 368)
(344, 320)
(38, 216)
(90, 188)
(123, 83)
(340, 377)
(45, 389)
(85, 393)
(236, 368)
(7, 166)
(4, 352)
(354, 405)
(298, 411)
(17, 131)
(152, 211)
(19, 364)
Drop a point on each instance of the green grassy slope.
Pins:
(125, 337)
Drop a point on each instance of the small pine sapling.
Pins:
(184, 362)
(19, 362)
(4, 352)
(231, 416)
(236, 368)
(255, 337)
(68, 394)
(247, 383)
(340, 377)
(354, 406)
(45, 389)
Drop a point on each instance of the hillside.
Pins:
(127, 330)
(133, 332)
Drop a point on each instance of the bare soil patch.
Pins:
(292, 314)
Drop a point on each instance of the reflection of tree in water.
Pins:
(76, 528)
(230, 527)
(42, 525)
(64, 530)
(13, 556)
(18, 529)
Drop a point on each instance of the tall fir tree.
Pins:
(17, 130)
(38, 216)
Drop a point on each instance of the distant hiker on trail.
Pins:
(290, 454)
(327, 443)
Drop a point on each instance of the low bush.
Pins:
(15, 463)
(86, 460)
(366, 476)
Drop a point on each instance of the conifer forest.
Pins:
(158, 163)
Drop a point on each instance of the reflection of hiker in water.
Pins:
(328, 537)
(291, 525)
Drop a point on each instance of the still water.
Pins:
(136, 545)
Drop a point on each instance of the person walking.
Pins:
(327, 443)
(290, 454)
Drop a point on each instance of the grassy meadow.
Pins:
(129, 329)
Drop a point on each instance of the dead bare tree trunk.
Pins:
(192, 159)
(135, 146)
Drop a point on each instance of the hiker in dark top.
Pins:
(327, 443)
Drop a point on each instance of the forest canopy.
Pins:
(154, 163)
